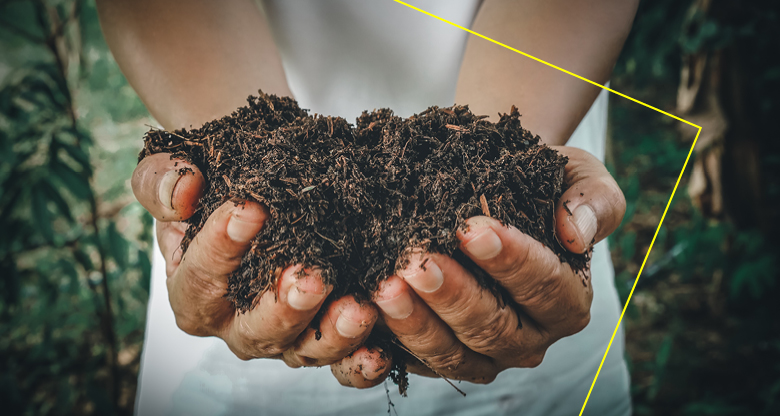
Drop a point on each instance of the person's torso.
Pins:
(342, 57)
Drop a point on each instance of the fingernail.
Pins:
(398, 307)
(167, 184)
(241, 231)
(485, 244)
(425, 276)
(349, 328)
(585, 220)
(303, 300)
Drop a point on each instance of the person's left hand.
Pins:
(445, 318)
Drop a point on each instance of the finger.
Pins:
(279, 317)
(427, 337)
(168, 188)
(362, 369)
(343, 328)
(592, 207)
(169, 236)
(546, 289)
(197, 288)
(473, 312)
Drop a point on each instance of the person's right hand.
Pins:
(278, 325)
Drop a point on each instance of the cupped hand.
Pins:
(458, 329)
(279, 325)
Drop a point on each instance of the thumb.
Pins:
(168, 188)
(593, 205)
(363, 368)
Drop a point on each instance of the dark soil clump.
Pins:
(352, 199)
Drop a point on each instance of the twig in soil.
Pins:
(485, 207)
(331, 240)
(403, 347)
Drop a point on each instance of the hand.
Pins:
(458, 329)
(277, 327)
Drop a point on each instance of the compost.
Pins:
(352, 200)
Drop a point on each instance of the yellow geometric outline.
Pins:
(668, 204)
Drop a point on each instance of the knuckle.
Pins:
(531, 360)
(191, 326)
(496, 334)
(534, 360)
(240, 354)
(193, 312)
(328, 357)
(246, 332)
(256, 344)
(269, 350)
(485, 379)
(170, 268)
(260, 349)
(449, 362)
(580, 322)
(205, 288)
(542, 290)
(323, 355)
(214, 257)
(313, 362)
(197, 324)
(292, 363)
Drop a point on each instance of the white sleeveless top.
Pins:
(342, 57)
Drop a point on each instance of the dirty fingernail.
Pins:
(485, 244)
(585, 220)
(349, 328)
(425, 276)
(303, 300)
(398, 307)
(241, 231)
(167, 184)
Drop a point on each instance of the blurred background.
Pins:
(702, 331)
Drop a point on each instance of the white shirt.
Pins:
(342, 57)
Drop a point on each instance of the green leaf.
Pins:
(72, 285)
(76, 183)
(628, 245)
(54, 195)
(77, 154)
(41, 216)
(57, 79)
(117, 245)
(10, 282)
(661, 359)
(145, 265)
(754, 276)
(84, 260)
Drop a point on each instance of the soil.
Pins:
(352, 200)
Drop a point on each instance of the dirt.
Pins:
(351, 199)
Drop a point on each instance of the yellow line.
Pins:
(630, 294)
(668, 204)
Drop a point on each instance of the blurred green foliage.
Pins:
(701, 327)
(74, 248)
